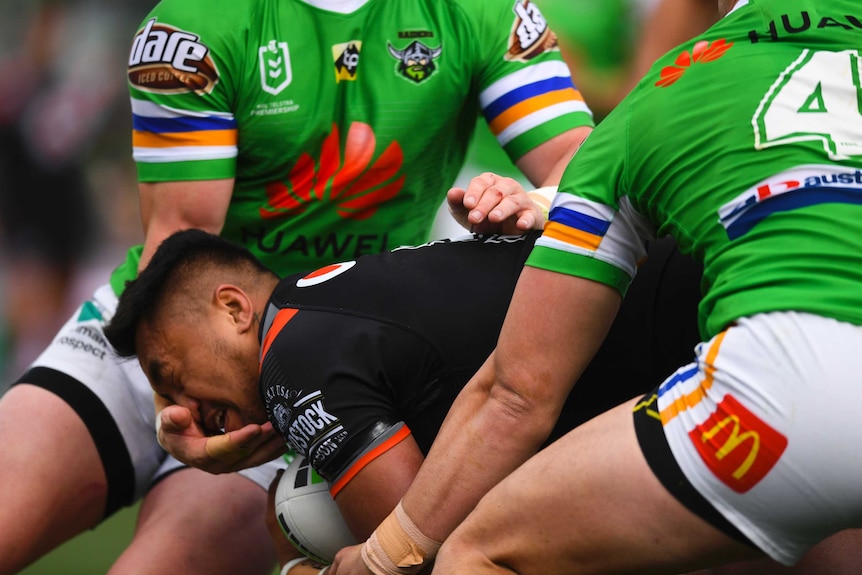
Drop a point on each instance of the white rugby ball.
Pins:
(308, 515)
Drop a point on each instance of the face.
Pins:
(207, 368)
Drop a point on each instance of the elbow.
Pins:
(527, 404)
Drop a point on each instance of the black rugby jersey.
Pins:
(357, 355)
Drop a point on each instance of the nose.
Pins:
(192, 404)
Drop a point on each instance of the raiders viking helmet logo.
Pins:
(416, 61)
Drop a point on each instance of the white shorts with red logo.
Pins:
(767, 427)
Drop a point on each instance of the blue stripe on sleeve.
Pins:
(517, 95)
(181, 124)
(579, 221)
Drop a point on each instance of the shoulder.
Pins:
(214, 18)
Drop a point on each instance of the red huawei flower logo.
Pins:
(354, 184)
(702, 52)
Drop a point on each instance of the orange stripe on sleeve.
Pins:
(572, 236)
(281, 318)
(342, 481)
(179, 139)
(530, 105)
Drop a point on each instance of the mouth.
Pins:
(214, 421)
(220, 418)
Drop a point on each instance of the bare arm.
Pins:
(169, 207)
(376, 490)
(544, 164)
(554, 326)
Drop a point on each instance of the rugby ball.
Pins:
(308, 515)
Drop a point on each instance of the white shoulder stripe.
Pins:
(538, 118)
(183, 154)
(523, 77)
(150, 109)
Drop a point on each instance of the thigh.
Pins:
(199, 523)
(588, 503)
(53, 482)
(111, 395)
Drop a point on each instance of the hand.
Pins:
(349, 561)
(185, 439)
(494, 204)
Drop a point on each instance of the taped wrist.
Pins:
(303, 566)
(543, 197)
(397, 546)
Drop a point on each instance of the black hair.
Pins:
(182, 256)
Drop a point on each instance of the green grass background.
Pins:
(90, 553)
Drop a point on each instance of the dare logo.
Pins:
(737, 446)
(167, 60)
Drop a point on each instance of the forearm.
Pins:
(169, 207)
(545, 164)
(487, 434)
(554, 326)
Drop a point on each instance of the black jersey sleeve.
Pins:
(328, 380)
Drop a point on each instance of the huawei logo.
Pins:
(352, 179)
(702, 52)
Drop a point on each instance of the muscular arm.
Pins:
(554, 326)
(168, 207)
(375, 491)
(544, 164)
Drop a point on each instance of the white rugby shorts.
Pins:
(766, 426)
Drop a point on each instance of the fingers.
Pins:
(247, 447)
(219, 447)
(495, 204)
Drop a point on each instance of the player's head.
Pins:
(191, 318)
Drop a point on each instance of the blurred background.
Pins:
(68, 203)
(68, 200)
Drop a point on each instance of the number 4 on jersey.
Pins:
(818, 97)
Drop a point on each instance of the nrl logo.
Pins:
(416, 61)
(275, 72)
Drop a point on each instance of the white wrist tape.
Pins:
(397, 546)
(543, 197)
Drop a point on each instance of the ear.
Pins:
(237, 303)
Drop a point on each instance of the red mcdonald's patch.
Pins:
(737, 446)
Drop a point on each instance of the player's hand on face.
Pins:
(494, 204)
(349, 561)
(186, 439)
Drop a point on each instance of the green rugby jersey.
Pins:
(745, 144)
(343, 131)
